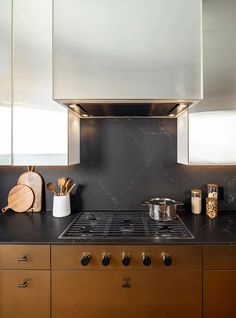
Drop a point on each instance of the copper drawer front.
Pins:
(219, 257)
(183, 257)
(24, 257)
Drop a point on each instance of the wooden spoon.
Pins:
(51, 187)
(64, 187)
(71, 188)
(61, 182)
(68, 185)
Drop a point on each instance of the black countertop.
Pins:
(43, 228)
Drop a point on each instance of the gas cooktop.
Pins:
(122, 225)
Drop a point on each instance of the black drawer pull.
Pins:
(22, 259)
(126, 283)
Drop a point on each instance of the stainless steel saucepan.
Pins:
(162, 209)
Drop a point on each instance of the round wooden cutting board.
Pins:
(20, 199)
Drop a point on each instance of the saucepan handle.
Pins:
(145, 203)
(179, 203)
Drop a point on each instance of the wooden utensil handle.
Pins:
(31, 168)
(69, 191)
(5, 209)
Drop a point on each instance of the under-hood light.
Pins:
(182, 106)
(79, 110)
(73, 106)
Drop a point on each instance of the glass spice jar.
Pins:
(212, 190)
(196, 201)
(211, 207)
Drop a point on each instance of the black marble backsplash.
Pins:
(126, 161)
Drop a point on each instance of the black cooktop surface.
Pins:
(123, 225)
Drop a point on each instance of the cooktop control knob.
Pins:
(166, 258)
(126, 258)
(85, 259)
(147, 261)
(106, 258)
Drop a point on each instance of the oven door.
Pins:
(133, 294)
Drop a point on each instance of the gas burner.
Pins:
(126, 229)
(163, 227)
(85, 229)
(103, 226)
(82, 229)
(92, 217)
(127, 222)
(127, 226)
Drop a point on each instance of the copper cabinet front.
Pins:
(219, 294)
(133, 294)
(24, 294)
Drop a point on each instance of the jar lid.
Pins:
(196, 191)
(212, 185)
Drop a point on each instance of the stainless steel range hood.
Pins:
(128, 58)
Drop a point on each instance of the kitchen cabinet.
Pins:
(219, 281)
(219, 293)
(25, 294)
(219, 257)
(5, 82)
(199, 283)
(69, 256)
(134, 291)
(93, 294)
(97, 291)
(206, 133)
(24, 257)
(43, 132)
(24, 281)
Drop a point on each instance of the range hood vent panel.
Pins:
(128, 109)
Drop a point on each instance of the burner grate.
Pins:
(86, 225)
(123, 225)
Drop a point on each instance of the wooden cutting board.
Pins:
(20, 199)
(35, 182)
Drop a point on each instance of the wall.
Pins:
(126, 161)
